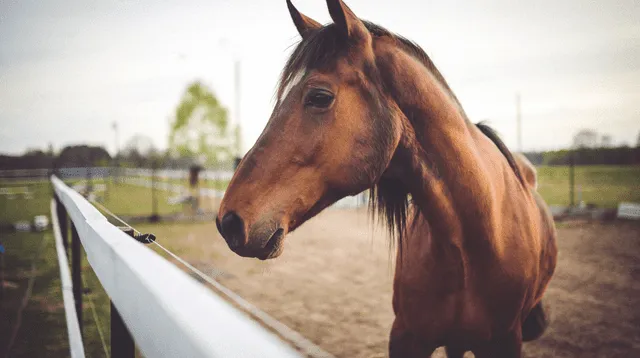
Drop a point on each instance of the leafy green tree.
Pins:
(200, 129)
(82, 156)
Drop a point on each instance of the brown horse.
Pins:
(361, 108)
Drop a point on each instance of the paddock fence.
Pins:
(155, 306)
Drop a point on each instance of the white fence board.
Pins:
(629, 211)
(168, 313)
(349, 202)
(76, 347)
(209, 174)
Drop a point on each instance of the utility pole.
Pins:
(117, 151)
(572, 177)
(238, 133)
(224, 43)
(518, 123)
(115, 130)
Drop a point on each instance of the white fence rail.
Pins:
(178, 173)
(349, 202)
(168, 313)
(628, 210)
(73, 328)
(173, 188)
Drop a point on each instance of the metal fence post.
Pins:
(154, 198)
(122, 345)
(89, 180)
(572, 163)
(76, 274)
(63, 222)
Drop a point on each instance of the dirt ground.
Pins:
(333, 284)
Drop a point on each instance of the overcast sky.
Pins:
(70, 68)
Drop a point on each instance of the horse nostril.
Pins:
(232, 229)
(218, 225)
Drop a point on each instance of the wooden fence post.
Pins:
(122, 344)
(76, 272)
(63, 221)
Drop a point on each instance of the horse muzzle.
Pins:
(263, 240)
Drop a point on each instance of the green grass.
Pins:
(215, 184)
(605, 186)
(121, 198)
(17, 208)
(43, 328)
(42, 331)
(96, 295)
(134, 200)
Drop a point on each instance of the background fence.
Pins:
(141, 194)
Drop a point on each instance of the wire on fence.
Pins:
(27, 296)
(105, 348)
(182, 319)
(306, 346)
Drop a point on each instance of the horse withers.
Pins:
(359, 108)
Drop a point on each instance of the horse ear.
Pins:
(303, 23)
(350, 25)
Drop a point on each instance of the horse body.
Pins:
(358, 108)
(445, 295)
(478, 232)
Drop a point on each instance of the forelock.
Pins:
(319, 49)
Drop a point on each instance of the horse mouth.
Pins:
(272, 249)
(274, 246)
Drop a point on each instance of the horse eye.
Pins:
(319, 98)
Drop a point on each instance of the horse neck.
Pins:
(437, 158)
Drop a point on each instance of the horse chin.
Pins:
(273, 254)
(273, 248)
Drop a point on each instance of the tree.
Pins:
(585, 138)
(139, 150)
(200, 127)
(83, 156)
(32, 159)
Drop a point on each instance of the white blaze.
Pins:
(294, 82)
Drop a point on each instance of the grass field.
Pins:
(605, 186)
(122, 199)
(18, 207)
(40, 328)
(214, 184)
(134, 200)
